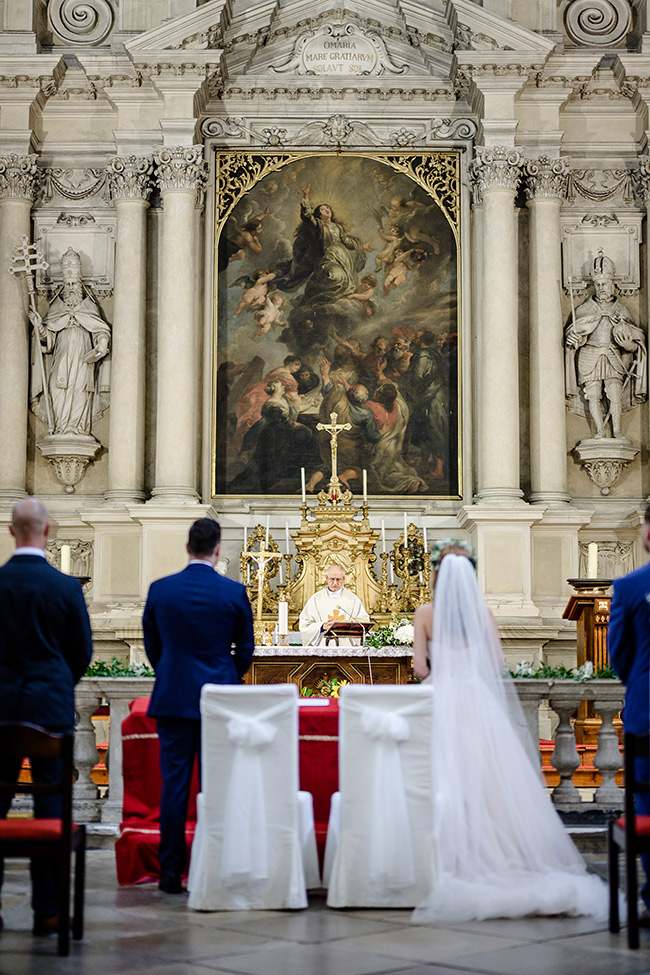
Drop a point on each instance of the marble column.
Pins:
(181, 175)
(497, 171)
(130, 185)
(545, 189)
(19, 179)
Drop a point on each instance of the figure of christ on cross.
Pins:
(334, 428)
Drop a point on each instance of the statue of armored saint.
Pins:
(76, 339)
(605, 354)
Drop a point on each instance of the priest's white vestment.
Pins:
(325, 605)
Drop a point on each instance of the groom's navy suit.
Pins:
(629, 655)
(198, 629)
(45, 647)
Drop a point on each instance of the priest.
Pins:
(333, 604)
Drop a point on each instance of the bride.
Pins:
(502, 850)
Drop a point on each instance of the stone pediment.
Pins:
(201, 30)
(475, 29)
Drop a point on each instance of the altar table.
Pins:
(136, 849)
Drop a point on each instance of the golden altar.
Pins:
(333, 530)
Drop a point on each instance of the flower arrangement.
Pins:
(118, 668)
(587, 671)
(398, 633)
(326, 688)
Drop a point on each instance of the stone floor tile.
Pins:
(430, 945)
(328, 959)
(554, 959)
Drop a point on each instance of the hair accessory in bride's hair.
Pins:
(438, 547)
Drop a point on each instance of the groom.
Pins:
(629, 655)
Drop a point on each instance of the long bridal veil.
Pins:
(502, 851)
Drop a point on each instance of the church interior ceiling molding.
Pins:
(329, 265)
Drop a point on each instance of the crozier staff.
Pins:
(333, 604)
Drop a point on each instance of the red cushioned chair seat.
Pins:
(31, 829)
(641, 823)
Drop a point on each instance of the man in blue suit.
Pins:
(45, 647)
(198, 629)
(629, 655)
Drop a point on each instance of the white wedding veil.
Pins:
(501, 849)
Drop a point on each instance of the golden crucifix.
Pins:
(334, 428)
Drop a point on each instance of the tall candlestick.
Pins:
(65, 559)
(592, 560)
(283, 617)
(302, 482)
(365, 486)
(383, 535)
(266, 544)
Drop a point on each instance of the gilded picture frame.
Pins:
(337, 289)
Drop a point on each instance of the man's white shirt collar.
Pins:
(29, 550)
(200, 562)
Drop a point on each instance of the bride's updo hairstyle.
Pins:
(450, 546)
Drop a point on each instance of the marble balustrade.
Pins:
(562, 696)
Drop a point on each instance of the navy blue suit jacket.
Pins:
(191, 622)
(629, 645)
(45, 643)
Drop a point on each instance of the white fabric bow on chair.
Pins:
(244, 828)
(390, 863)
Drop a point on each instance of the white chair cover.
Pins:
(379, 850)
(248, 851)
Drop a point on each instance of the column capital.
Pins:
(19, 177)
(496, 168)
(546, 179)
(181, 168)
(129, 178)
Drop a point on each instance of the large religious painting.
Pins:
(337, 292)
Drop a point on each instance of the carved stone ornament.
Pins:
(129, 177)
(81, 21)
(597, 23)
(546, 178)
(496, 168)
(19, 177)
(337, 50)
(181, 168)
(604, 460)
(453, 128)
(614, 559)
(81, 557)
(69, 455)
(642, 179)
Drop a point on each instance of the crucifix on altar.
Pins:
(261, 558)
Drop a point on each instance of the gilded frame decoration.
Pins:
(337, 289)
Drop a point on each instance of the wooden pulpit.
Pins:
(589, 607)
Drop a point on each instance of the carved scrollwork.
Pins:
(19, 177)
(453, 128)
(81, 21)
(224, 128)
(600, 23)
(73, 184)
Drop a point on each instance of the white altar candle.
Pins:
(283, 617)
(281, 573)
(592, 560)
(248, 573)
(65, 559)
(302, 482)
(245, 537)
(406, 530)
(383, 535)
(426, 543)
(286, 533)
(365, 486)
(392, 576)
(266, 544)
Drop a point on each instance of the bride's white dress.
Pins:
(501, 848)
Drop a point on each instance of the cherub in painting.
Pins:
(269, 314)
(365, 291)
(257, 290)
(386, 256)
(396, 273)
